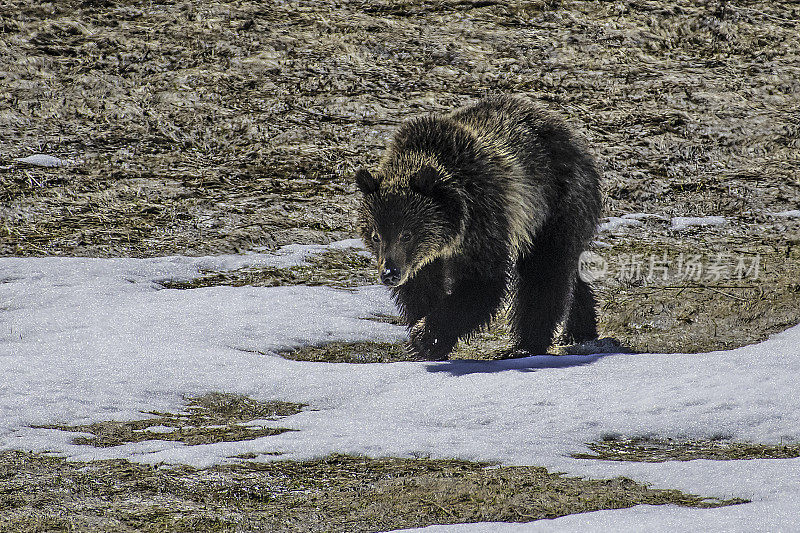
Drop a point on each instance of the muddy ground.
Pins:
(214, 127)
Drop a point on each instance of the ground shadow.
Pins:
(463, 367)
(566, 356)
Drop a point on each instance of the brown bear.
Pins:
(493, 202)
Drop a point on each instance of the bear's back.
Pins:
(519, 129)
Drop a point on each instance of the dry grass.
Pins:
(351, 352)
(222, 126)
(699, 315)
(334, 268)
(333, 494)
(214, 417)
(657, 451)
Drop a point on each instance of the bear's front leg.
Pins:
(431, 345)
(470, 305)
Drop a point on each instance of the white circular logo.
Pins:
(592, 267)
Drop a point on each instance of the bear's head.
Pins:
(409, 222)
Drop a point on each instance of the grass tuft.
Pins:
(648, 450)
(211, 418)
(334, 268)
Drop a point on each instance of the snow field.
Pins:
(85, 340)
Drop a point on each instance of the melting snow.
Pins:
(684, 223)
(86, 340)
(43, 160)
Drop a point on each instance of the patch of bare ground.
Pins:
(334, 268)
(351, 352)
(222, 126)
(704, 290)
(649, 450)
(333, 494)
(213, 417)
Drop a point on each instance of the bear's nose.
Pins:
(390, 276)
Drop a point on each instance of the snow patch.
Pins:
(646, 216)
(161, 429)
(617, 223)
(630, 220)
(44, 160)
(684, 223)
(795, 213)
(88, 340)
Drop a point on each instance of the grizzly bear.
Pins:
(489, 204)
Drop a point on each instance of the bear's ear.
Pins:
(366, 182)
(442, 190)
(426, 181)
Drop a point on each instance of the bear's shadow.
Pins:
(464, 367)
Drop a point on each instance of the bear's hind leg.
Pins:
(546, 274)
(581, 323)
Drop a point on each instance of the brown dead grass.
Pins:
(226, 125)
(211, 418)
(650, 450)
(332, 494)
(334, 268)
(702, 313)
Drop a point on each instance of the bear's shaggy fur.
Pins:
(493, 200)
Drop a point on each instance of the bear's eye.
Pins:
(376, 237)
(405, 236)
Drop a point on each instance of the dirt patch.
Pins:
(334, 268)
(334, 494)
(214, 417)
(351, 352)
(225, 126)
(712, 289)
(658, 451)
